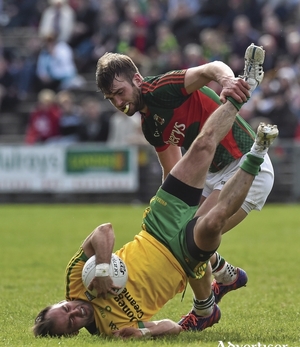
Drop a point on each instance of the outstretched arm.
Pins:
(152, 329)
(197, 77)
(101, 242)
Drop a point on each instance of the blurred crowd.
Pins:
(159, 35)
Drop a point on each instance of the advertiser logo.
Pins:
(177, 134)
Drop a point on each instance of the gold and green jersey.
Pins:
(147, 290)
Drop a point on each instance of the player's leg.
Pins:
(193, 166)
(204, 313)
(225, 274)
(208, 229)
(203, 149)
(256, 197)
(206, 236)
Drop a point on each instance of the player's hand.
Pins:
(237, 88)
(127, 333)
(104, 286)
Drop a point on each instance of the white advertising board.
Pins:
(84, 168)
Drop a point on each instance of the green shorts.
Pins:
(166, 219)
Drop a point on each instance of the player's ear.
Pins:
(137, 79)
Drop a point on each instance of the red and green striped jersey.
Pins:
(176, 117)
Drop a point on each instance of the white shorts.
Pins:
(259, 191)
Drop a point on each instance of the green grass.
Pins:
(38, 240)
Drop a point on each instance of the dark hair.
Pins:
(111, 65)
(43, 326)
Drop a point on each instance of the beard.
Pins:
(137, 101)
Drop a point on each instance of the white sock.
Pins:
(204, 307)
(226, 275)
(257, 151)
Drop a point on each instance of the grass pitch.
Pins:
(38, 240)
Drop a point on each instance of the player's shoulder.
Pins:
(170, 76)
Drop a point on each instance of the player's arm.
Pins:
(168, 158)
(101, 243)
(152, 329)
(199, 76)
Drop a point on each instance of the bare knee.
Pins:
(210, 227)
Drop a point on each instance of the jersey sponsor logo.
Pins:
(132, 310)
(177, 134)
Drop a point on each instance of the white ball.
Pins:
(117, 271)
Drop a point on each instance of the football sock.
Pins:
(225, 273)
(252, 164)
(258, 152)
(236, 104)
(218, 264)
(204, 307)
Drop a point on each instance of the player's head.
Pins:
(65, 318)
(120, 81)
(111, 66)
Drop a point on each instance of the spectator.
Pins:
(274, 106)
(166, 44)
(44, 120)
(21, 13)
(243, 35)
(59, 19)
(214, 46)
(183, 20)
(293, 45)
(270, 46)
(134, 15)
(166, 41)
(272, 25)
(211, 14)
(125, 37)
(56, 68)
(27, 80)
(70, 120)
(83, 31)
(155, 16)
(125, 130)
(235, 8)
(291, 88)
(95, 126)
(106, 36)
(8, 89)
(193, 55)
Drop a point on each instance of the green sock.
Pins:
(236, 104)
(252, 164)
